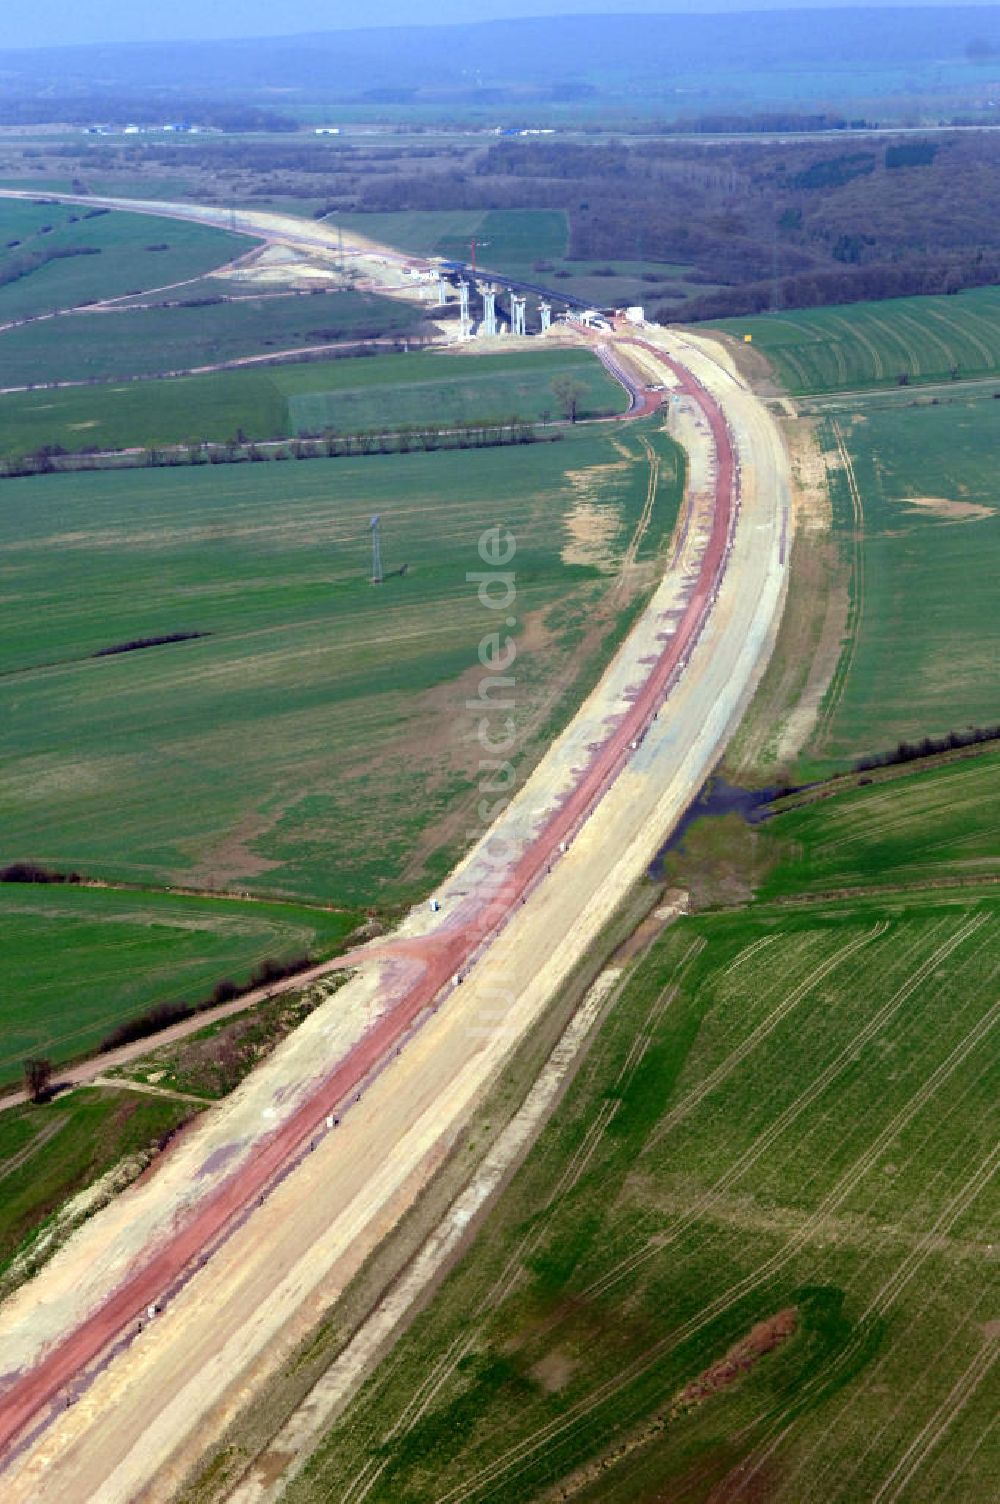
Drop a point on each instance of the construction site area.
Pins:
(131, 1348)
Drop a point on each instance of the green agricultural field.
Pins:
(916, 509)
(157, 341)
(50, 1153)
(902, 827)
(860, 345)
(748, 1253)
(186, 410)
(316, 741)
(427, 388)
(135, 252)
(275, 402)
(79, 961)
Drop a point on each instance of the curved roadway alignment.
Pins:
(265, 1209)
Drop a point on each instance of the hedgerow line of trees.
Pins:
(38, 1071)
(163, 1015)
(410, 439)
(928, 746)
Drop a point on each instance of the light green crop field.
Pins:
(136, 252)
(158, 341)
(120, 415)
(428, 388)
(317, 741)
(912, 829)
(860, 345)
(380, 391)
(79, 961)
(916, 507)
(748, 1255)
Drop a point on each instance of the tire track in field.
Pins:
(645, 517)
(902, 1333)
(868, 824)
(513, 1269)
(745, 955)
(44, 1136)
(959, 1469)
(929, 336)
(858, 1393)
(963, 332)
(766, 1027)
(911, 1266)
(516, 1458)
(941, 1226)
(855, 616)
(770, 1425)
(854, 331)
(878, 1307)
(768, 1137)
(892, 1288)
(888, 332)
(944, 1416)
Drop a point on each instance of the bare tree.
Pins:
(568, 394)
(37, 1078)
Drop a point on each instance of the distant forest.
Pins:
(764, 225)
(757, 224)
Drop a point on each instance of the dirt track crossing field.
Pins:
(287, 1207)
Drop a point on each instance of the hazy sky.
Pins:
(40, 23)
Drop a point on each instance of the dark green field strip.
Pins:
(777, 1116)
(864, 345)
(79, 961)
(156, 341)
(315, 739)
(908, 828)
(134, 252)
(346, 395)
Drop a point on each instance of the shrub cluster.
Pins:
(136, 644)
(910, 751)
(33, 872)
(163, 1015)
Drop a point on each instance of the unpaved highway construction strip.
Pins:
(264, 1210)
(377, 267)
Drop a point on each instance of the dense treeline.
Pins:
(34, 872)
(789, 224)
(905, 752)
(137, 644)
(16, 268)
(818, 288)
(408, 439)
(757, 225)
(163, 1015)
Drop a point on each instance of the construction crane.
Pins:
(473, 244)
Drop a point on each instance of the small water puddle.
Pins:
(717, 797)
